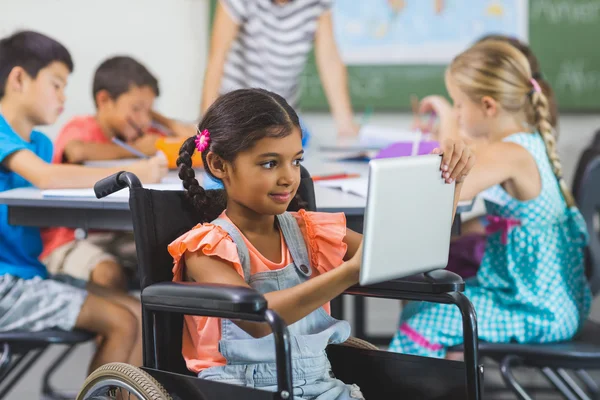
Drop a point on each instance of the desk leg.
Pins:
(456, 226)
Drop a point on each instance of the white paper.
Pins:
(89, 193)
(356, 186)
(372, 135)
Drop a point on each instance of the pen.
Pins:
(366, 115)
(431, 123)
(129, 148)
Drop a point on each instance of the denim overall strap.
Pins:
(237, 238)
(295, 243)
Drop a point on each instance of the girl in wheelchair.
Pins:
(251, 141)
(531, 286)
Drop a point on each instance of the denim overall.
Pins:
(251, 361)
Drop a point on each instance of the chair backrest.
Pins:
(586, 189)
(159, 217)
(596, 140)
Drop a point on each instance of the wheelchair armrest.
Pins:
(421, 285)
(212, 300)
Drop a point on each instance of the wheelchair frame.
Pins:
(163, 299)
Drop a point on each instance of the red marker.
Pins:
(335, 176)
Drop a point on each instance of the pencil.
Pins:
(129, 148)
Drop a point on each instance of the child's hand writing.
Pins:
(457, 160)
(151, 170)
(146, 144)
(439, 106)
(435, 104)
(182, 130)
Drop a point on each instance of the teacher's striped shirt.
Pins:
(272, 45)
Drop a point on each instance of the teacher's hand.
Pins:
(348, 129)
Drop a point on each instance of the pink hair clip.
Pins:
(202, 140)
(536, 86)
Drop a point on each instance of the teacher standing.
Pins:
(265, 43)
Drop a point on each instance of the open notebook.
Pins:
(89, 193)
(355, 186)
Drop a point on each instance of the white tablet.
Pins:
(408, 218)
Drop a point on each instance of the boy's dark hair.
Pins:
(117, 74)
(31, 51)
(536, 72)
(235, 121)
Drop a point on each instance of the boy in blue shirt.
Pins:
(33, 74)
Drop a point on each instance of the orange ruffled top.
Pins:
(324, 235)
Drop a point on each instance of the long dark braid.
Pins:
(209, 203)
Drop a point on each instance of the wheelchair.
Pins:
(161, 216)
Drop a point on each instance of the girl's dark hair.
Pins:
(235, 121)
(536, 72)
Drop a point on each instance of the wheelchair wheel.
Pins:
(121, 381)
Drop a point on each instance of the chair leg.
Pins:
(5, 360)
(20, 369)
(574, 386)
(47, 389)
(590, 384)
(509, 379)
(471, 343)
(559, 384)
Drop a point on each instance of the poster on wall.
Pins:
(421, 31)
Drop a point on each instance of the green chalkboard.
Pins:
(564, 34)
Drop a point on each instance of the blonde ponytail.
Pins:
(542, 117)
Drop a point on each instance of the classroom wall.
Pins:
(168, 36)
(171, 38)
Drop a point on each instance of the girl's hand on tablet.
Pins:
(457, 160)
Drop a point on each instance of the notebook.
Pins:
(89, 192)
(355, 186)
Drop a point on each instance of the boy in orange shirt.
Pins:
(124, 92)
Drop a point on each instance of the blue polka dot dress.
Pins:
(531, 286)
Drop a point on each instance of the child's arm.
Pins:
(78, 151)
(334, 76)
(224, 31)
(176, 128)
(353, 241)
(498, 163)
(291, 304)
(53, 176)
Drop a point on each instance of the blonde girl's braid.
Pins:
(541, 114)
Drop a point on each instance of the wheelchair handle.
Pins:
(116, 182)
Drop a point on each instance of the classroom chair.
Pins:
(554, 360)
(161, 216)
(21, 350)
(596, 140)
